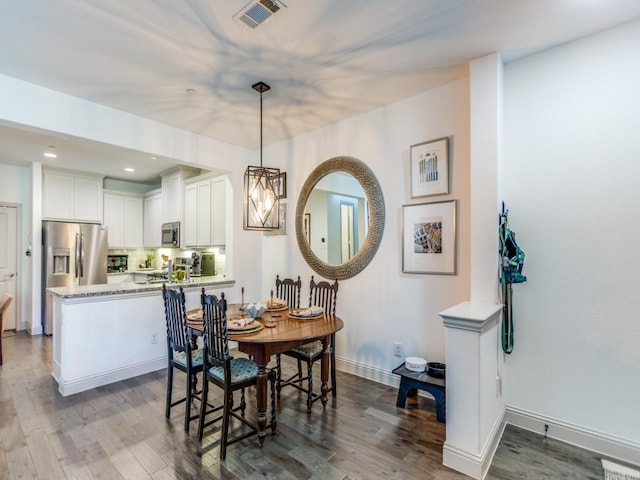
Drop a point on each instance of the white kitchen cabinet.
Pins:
(68, 196)
(190, 227)
(173, 183)
(123, 218)
(197, 214)
(153, 220)
(172, 193)
(205, 212)
(219, 206)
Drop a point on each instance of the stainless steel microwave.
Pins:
(171, 235)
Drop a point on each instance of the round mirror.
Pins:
(340, 218)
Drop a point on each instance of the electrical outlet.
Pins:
(154, 338)
(397, 349)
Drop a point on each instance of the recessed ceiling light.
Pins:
(129, 169)
(153, 158)
(51, 152)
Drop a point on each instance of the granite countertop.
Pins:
(133, 287)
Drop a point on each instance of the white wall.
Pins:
(570, 180)
(381, 304)
(15, 189)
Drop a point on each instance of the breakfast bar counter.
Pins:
(79, 291)
(107, 333)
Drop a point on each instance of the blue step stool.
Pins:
(410, 382)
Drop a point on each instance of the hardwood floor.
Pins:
(119, 432)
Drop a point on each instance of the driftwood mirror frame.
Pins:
(363, 174)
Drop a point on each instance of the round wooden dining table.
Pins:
(283, 332)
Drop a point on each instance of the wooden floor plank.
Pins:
(77, 472)
(147, 457)
(20, 464)
(128, 466)
(99, 463)
(44, 458)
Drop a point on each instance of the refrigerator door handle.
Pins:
(81, 255)
(77, 255)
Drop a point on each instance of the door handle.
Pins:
(82, 255)
(77, 255)
(11, 275)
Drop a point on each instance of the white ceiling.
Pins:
(325, 60)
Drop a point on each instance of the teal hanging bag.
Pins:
(512, 262)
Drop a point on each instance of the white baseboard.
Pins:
(607, 445)
(475, 466)
(462, 461)
(32, 329)
(87, 383)
(370, 373)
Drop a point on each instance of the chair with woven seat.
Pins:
(181, 352)
(228, 373)
(322, 294)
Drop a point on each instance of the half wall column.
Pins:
(475, 407)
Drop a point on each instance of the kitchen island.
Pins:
(110, 332)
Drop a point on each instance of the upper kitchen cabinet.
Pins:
(123, 217)
(205, 212)
(69, 196)
(153, 219)
(219, 219)
(172, 205)
(173, 193)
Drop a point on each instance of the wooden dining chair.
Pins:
(181, 352)
(228, 373)
(5, 302)
(288, 290)
(322, 294)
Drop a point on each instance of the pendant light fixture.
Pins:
(261, 204)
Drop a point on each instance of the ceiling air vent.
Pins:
(258, 11)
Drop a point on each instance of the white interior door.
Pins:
(8, 261)
(346, 232)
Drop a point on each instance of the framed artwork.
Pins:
(280, 185)
(429, 238)
(282, 222)
(429, 168)
(306, 227)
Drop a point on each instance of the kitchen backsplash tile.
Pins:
(137, 256)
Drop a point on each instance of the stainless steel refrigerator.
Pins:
(73, 254)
